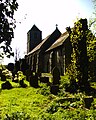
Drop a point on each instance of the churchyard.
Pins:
(42, 98)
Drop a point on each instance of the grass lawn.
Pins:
(39, 104)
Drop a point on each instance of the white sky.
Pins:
(45, 14)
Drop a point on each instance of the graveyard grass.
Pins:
(39, 104)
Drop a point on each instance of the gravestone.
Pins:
(29, 73)
(56, 75)
(6, 85)
(54, 88)
(34, 80)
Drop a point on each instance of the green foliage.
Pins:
(7, 24)
(44, 89)
(53, 107)
(91, 43)
(72, 71)
(91, 46)
(17, 116)
(38, 104)
(91, 52)
(78, 70)
(92, 22)
(28, 103)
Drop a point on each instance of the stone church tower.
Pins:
(34, 37)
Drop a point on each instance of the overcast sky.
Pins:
(45, 14)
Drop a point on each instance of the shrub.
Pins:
(10, 67)
(6, 85)
(3, 77)
(22, 84)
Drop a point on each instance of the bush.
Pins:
(6, 85)
(10, 67)
(22, 84)
(3, 77)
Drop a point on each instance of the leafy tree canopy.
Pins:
(92, 22)
(7, 24)
(80, 53)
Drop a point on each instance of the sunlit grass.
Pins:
(40, 104)
(22, 99)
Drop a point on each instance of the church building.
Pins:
(44, 55)
(54, 50)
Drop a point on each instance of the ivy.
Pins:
(78, 69)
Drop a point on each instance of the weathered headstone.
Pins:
(56, 75)
(54, 88)
(34, 81)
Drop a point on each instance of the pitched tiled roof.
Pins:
(59, 41)
(39, 46)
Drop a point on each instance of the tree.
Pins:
(91, 44)
(7, 24)
(79, 63)
(91, 52)
(92, 22)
